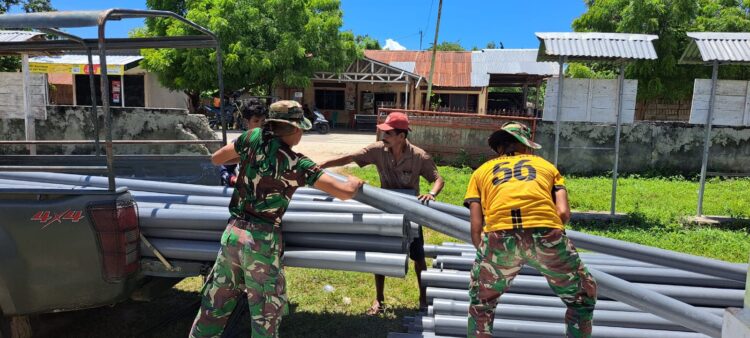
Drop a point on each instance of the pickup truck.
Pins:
(63, 250)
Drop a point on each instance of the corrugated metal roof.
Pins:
(722, 47)
(595, 46)
(452, 69)
(115, 60)
(508, 62)
(405, 65)
(17, 36)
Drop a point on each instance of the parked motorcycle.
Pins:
(230, 113)
(320, 123)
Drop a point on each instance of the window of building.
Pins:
(329, 99)
(133, 90)
(462, 103)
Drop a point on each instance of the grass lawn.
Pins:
(655, 206)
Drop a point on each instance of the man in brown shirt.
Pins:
(399, 165)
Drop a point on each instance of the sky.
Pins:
(397, 23)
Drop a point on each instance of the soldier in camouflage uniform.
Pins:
(249, 259)
(518, 206)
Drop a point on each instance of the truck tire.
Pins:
(15, 327)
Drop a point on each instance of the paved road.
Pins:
(323, 147)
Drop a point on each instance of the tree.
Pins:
(582, 71)
(13, 63)
(263, 43)
(447, 46)
(367, 42)
(669, 19)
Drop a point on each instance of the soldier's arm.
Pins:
(476, 218)
(337, 162)
(562, 206)
(338, 189)
(226, 155)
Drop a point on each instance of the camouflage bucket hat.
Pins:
(521, 132)
(290, 112)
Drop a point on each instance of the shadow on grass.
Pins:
(634, 221)
(172, 313)
(639, 221)
(168, 315)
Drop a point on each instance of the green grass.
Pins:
(655, 206)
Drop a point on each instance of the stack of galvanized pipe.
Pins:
(675, 294)
(184, 223)
(530, 309)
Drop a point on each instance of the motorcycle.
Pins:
(216, 117)
(320, 123)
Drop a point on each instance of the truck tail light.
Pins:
(116, 225)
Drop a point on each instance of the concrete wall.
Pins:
(158, 96)
(75, 123)
(671, 148)
(732, 102)
(647, 146)
(11, 95)
(590, 100)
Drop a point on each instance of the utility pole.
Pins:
(434, 54)
(420, 39)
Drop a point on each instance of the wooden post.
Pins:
(29, 129)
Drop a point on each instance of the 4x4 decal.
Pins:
(46, 217)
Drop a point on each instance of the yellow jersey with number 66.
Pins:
(516, 192)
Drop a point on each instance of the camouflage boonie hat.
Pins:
(521, 132)
(290, 112)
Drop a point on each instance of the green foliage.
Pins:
(13, 63)
(263, 42)
(28, 6)
(367, 42)
(447, 46)
(669, 19)
(582, 71)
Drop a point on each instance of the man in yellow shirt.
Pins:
(519, 205)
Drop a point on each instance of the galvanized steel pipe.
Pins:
(538, 285)
(460, 307)
(186, 219)
(655, 275)
(509, 328)
(394, 265)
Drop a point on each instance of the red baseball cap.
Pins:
(395, 121)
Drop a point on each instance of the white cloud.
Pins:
(391, 44)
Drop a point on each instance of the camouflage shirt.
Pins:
(270, 172)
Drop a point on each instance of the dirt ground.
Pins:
(324, 147)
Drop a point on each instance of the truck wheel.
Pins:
(15, 327)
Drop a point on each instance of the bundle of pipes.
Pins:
(184, 223)
(530, 309)
(663, 308)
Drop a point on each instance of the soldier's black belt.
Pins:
(251, 226)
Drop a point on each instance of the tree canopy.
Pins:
(670, 20)
(367, 42)
(263, 42)
(448, 46)
(13, 63)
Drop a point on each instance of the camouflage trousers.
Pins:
(248, 261)
(501, 256)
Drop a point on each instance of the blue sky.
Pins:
(471, 22)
